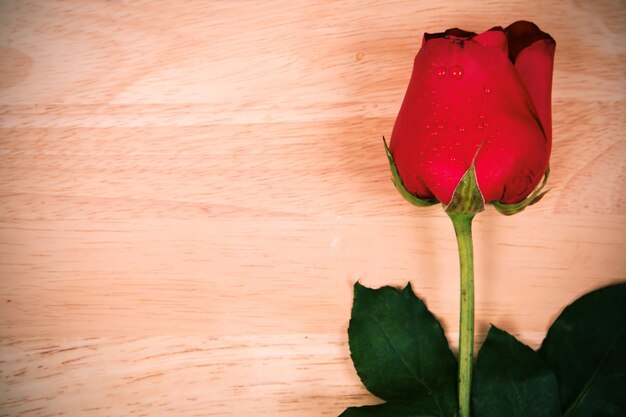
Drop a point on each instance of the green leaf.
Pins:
(511, 379)
(425, 408)
(400, 350)
(586, 346)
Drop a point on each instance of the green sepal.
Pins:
(467, 198)
(510, 209)
(397, 181)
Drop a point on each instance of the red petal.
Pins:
(532, 51)
(455, 33)
(511, 163)
(534, 65)
(445, 118)
(522, 34)
(495, 38)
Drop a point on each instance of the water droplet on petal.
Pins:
(482, 123)
(435, 148)
(487, 88)
(441, 71)
(457, 143)
(452, 159)
(456, 72)
(460, 128)
(440, 125)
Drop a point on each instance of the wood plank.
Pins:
(188, 194)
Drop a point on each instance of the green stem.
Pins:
(463, 229)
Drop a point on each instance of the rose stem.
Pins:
(463, 229)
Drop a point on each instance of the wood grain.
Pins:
(188, 192)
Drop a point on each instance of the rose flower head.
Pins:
(475, 124)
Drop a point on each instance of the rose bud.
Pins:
(475, 124)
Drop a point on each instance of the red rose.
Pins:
(477, 111)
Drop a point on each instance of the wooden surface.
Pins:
(189, 190)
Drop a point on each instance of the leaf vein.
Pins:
(406, 365)
(589, 383)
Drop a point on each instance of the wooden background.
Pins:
(189, 190)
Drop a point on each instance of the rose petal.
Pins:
(460, 95)
(511, 164)
(454, 33)
(495, 38)
(534, 65)
(522, 34)
(459, 33)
